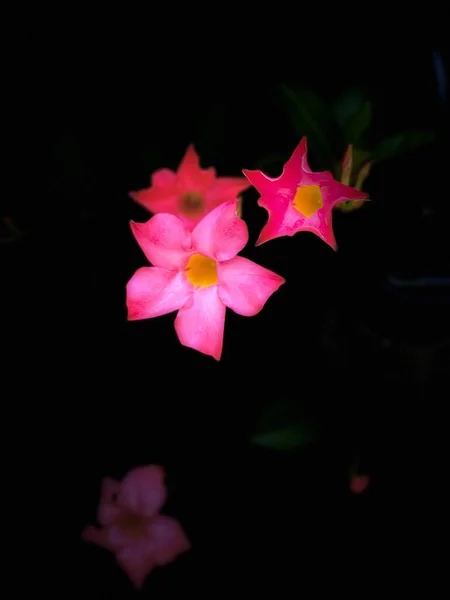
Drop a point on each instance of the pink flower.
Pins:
(300, 200)
(140, 538)
(359, 483)
(191, 192)
(199, 275)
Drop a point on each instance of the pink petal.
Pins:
(297, 172)
(153, 292)
(276, 206)
(136, 563)
(221, 234)
(99, 537)
(168, 539)
(225, 189)
(191, 177)
(359, 483)
(164, 240)
(109, 489)
(245, 286)
(262, 183)
(163, 178)
(162, 196)
(200, 323)
(107, 513)
(143, 490)
(334, 193)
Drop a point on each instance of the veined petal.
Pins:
(164, 240)
(200, 323)
(221, 234)
(245, 286)
(153, 292)
(143, 490)
(321, 224)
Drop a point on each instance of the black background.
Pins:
(90, 395)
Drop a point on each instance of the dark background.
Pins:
(92, 395)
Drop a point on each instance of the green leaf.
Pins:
(358, 124)
(311, 118)
(401, 143)
(347, 105)
(285, 438)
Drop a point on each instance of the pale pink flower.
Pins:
(198, 274)
(300, 200)
(131, 526)
(191, 192)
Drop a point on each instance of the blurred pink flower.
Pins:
(198, 274)
(300, 200)
(191, 192)
(132, 527)
(359, 483)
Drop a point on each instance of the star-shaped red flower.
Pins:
(191, 192)
(300, 200)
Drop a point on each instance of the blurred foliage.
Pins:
(284, 426)
(332, 126)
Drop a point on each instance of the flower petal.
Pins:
(225, 189)
(200, 323)
(262, 183)
(191, 177)
(136, 563)
(99, 537)
(164, 240)
(153, 292)
(221, 234)
(335, 192)
(163, 178)
(168, 539)
(245, 286)
(276, 206)
(143, 490)
(109, 490)
(297, 172)
(107, 513)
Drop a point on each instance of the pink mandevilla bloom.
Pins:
(191, 192)
(198, 274)
(132, 527)
(300, 200)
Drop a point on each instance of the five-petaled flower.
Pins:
(300, 200)
(132, 527)
(191, 192)
(198, 274)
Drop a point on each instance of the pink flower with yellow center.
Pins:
(131, 526)
(198, 274)
(300, 200)
(191, 192)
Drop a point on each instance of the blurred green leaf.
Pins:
(401, 143)
(347, 105)
(311, 117)
(274, 160)
(285, 438)
(283, 426)
(358, 124)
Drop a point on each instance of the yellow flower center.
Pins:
(192, 204)
(308, 200)
(201, 271)
(131, 525)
